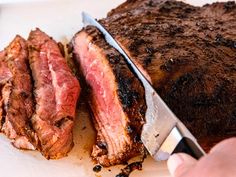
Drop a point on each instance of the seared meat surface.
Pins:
(189, 55)
(56, 93)
(16, 95)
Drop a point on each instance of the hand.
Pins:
(220, 162)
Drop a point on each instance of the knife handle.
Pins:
(189, 147)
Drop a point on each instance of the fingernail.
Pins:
(174, 162)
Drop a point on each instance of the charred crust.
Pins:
(150, 3)
(173, 30)
(2, 108)
(148, 60)
(171, 64)
(142, 109)
(233, 117)
(125, 172)
(60, 123)
(61, 48)
(127, 95)
(32, 48)
(216, 97)
(3, 116)
(170, 6)
(24, 95)
(97, 168)
(202, 26)
(185, 80)
(70, 47)
(166, 7)
(102, 145)
(229, 6)
(220, 40)
(130, 129)
(150, 50)
(113, 58)
(137, 139)
(134, 46)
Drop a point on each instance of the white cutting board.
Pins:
(60, 19)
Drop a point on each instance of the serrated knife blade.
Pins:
(163, 133)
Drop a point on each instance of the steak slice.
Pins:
(5, 76)
(189, 54)
(116, 98)
(56, 93)
(16, 95)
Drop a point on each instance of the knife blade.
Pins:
(163, 133)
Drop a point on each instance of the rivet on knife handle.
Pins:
(176, 142)
(187, 146)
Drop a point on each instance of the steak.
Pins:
(16, 95)
(116, 98)
(56, 92)
(189, 55)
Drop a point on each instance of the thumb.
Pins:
(178, 164)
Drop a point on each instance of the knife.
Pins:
(163, 133)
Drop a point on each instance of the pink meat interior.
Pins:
(56, 94)
(107, 110)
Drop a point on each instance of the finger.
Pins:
(226, 146)
(178, 164)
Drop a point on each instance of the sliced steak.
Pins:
(189, 55)
(116, 98)
(5, 76)
(56, 93)
(16, 95)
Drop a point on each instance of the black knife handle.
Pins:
(187, 146)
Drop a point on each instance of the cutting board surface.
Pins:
(60, 19)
